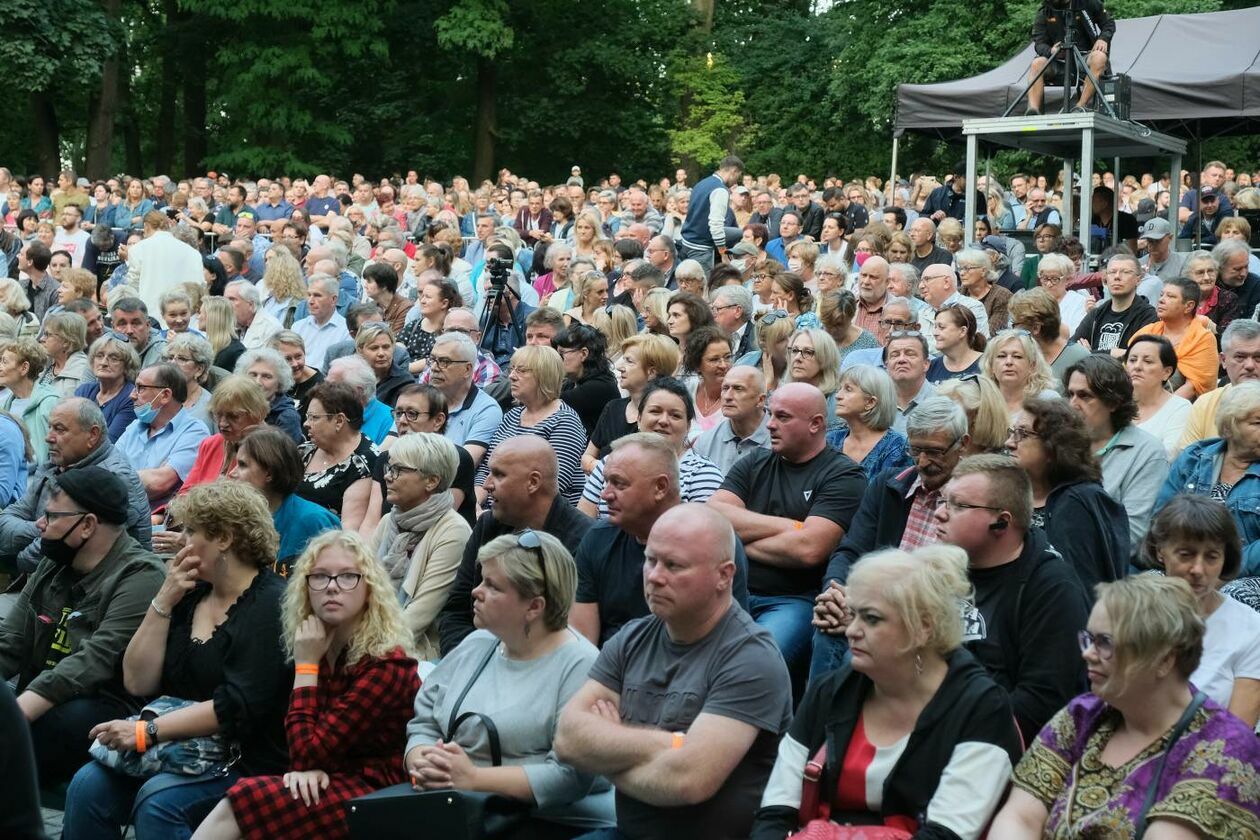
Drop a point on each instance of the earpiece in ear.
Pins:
(999, 526)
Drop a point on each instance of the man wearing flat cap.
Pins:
(64, 640)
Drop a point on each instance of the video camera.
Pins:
(500, 269)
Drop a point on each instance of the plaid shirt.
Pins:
(921, 521)
(487, 371)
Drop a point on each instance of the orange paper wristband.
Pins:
(141, 746)
(306, 670)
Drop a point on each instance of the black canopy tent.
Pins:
(1191, 75)
(1195, 75)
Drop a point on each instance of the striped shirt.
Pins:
(698, 477)
(563, 429)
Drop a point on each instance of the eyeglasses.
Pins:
(111, 357)
(955, 506)
(1103, 643)
(449, 330)
(529, 540)
(394, 470)
(140, 387)
(931, 452)
(1019, 435)
(803, 352)
(346, 581)
(724, 306)
(176, 359)
(905, 334)
(411, 414)
(54, 515)
(1049, 279)
(313, 416)
(893, 322)
(773, 316)
(443, 362)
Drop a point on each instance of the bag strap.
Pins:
(492, 733)
(1177, 731)
(456, 718)
(812, 803)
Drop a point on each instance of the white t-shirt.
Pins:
(1169, 422)
(1229, 650)
(1072, 309)
(73, 243)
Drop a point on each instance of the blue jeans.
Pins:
(830, 652)
(100, 802)
(787, 617)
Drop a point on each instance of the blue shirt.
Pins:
(119, 412)
(297, 521)
(174, 445)
(322, 206)
(268, 213)
(378, 421)
(13, 465)
(317, 340)
(475, 421)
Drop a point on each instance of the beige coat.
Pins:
(429, 576)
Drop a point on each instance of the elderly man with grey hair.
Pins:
(732, 307)
(472, 415)
(1233, 259)
(77, 438)
(324, 326)
(661, 253)
(378, 420)
(254, 326)
(744, 426)
(979, 282)
(896, 511)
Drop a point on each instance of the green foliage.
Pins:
(478, 26)
(45, 40)
(713, 118)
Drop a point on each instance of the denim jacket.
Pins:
(1193, 471)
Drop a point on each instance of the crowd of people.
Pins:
(738, 508)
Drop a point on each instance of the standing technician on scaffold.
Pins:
(1091, 25)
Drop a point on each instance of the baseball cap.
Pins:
(1156, 228)
(1207, 192)
(97, 491)
(744, 249)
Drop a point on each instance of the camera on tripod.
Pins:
(500, 269)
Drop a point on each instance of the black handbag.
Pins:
(450, 814)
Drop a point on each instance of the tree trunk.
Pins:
(164, 141)
(705, 8)
(47, 133)
(130, 122)
(102, 108)
(195, 114)
(484, 130)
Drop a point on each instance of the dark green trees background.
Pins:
(452, 87)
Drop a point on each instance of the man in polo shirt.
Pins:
(743, 427)
(225, 217)
(926, 252)
(161, 443)
(324, 327)
(274, 209)
(873, 295)
(906, 359)
(473, 416)
(1161, 260)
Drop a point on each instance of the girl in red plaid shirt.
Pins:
(353, 689)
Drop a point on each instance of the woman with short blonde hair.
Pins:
(1172, 755)
(1014, 362)
(987, 418)
(536, 377)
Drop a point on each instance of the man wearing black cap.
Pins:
(64, 640)
(1206, 220)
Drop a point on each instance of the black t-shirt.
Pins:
(589, 395)
(610, 574)
(612, 425)
(1023, 628)
(1107, 330)
(463, 482)
(938, 256)
(829, 485)
(301, 394)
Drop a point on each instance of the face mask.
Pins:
(58, 550)
(858, 258)
(739, 265)
(146, 413)
(794, 265)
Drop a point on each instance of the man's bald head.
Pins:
(708, 530)
(328, 267)
(397, 258)
(801, 396)
(534, 454)
(798, 421)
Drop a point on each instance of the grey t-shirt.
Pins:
(736, 672)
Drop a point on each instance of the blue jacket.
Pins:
(1193, 472)
(297, 521)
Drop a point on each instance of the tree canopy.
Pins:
(452, 87)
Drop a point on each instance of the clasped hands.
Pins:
(443, 765)
(831, 610)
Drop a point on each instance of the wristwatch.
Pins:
(151, 733)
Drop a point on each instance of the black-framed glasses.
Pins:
(803, 352)
(54, 515)
(1019, 435)
(893, 322)
(394, 470)
(954, 506)
(931, 452)
(411, 414)
(1101, 642)
(141, 387)
(346, 581)
(529, 540)
(443, 362)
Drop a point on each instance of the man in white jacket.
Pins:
(160, 263)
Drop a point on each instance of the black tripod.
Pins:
(1075, 68)
(500, 292)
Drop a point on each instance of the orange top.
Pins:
(1197, 356)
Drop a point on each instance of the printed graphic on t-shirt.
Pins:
(1109, 336)
(973, 626)
(60, 647)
